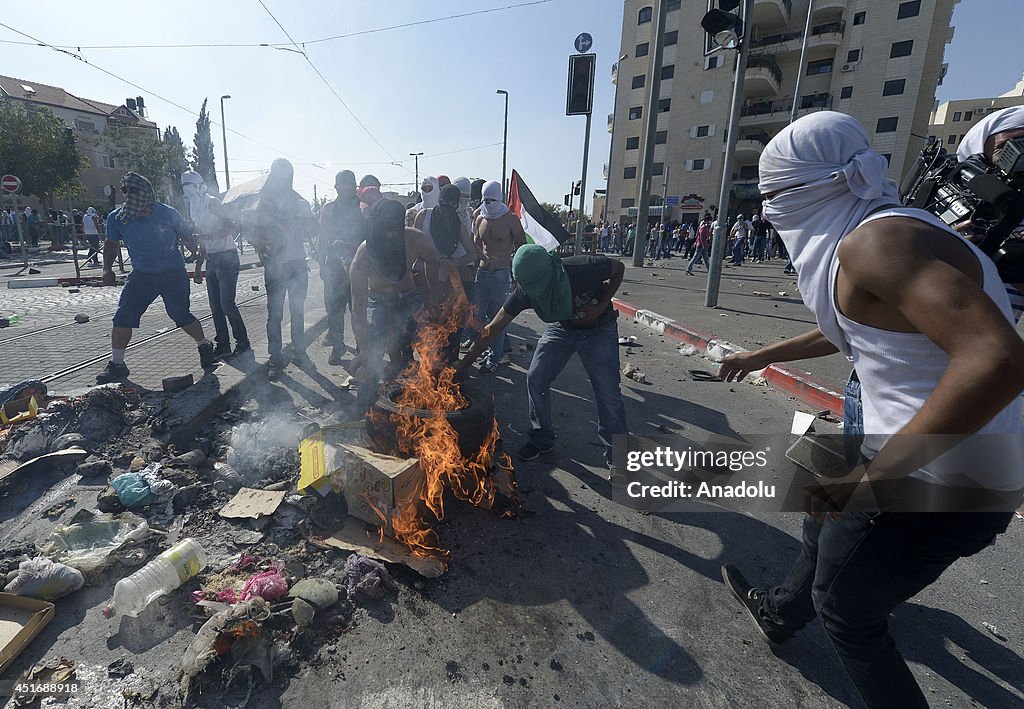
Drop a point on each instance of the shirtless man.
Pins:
(498, 234)
(382, 283)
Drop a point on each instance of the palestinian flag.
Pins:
(541, 227)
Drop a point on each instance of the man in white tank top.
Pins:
(929, 328)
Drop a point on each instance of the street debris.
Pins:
(44, 579)
(761, 294)
(993, 631)
(320, 592)
(59, 671)
(702, 375)
(368, 578)
(92, 541)
(630, 371)
(355, 537)
(81, 318)
(687, 350)
(23, 620)
(175, 384)
(628, 340)
(252, 504)
(142, 488)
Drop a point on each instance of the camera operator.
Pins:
(929, 328)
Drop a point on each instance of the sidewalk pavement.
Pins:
(757, 305)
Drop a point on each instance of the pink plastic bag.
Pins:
(269, 585)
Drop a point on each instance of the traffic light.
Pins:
(580, 94)
(724, 25)
(567, 200)
(576, 187)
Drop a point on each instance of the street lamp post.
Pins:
(416, 156)
(224, 139)
(504, 148)
(611, 146)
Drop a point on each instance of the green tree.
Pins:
(556, 210)
(318, 205)
(177, 163)
(35, 146)
(202, 151)
(139, 150)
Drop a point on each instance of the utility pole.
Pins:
(417, 157)
(803, 63)
(611, 143)
(647, 156)
(504, 149)
(719, 237)
(224, 140)
(578, 245)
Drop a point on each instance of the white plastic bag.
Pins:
(45, 580)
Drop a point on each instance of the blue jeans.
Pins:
(221, 284)
(291, 279)
(737, 252)
(598, 348)
(491, 290)
(757, 252)
(853, 421)
(855, 570)
(699, 256)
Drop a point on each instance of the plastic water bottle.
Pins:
(162, 575)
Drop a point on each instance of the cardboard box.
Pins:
(21, 620)
(331, 462)
(19, 410)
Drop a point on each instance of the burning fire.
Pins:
(428, 384)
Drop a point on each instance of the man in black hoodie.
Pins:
(342, 229)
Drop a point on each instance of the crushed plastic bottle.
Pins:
(163, 574)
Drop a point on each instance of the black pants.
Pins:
(854, 571)
(290, 279)
(221, 285)
(337, 296)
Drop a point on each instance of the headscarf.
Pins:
(91, 212)
(388, 252)
(139, 197)
(974, 140)
(830, 180)
(497, 208)
(194, 188)
(445, 225)
(476, 193)
(465, 194)
(369, 191)
(431, 197)
(542, 277)
(443, 180)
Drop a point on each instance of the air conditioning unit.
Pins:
(850, 66)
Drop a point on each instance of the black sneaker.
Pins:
(465, 346)
(222, 350)
(206, 356)
(531, 451)
(750, 597)
(335, 358)
(488, 369)
(113, 373)
(242, 348)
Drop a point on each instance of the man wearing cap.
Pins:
(385, 299)
(342, 229)
(574, 296)
(368, 193)
(152, 232)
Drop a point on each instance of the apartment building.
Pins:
(91, 119)
(951, 120)
(876, 60)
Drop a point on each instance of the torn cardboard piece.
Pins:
(356, 536)
(249, 503)
(21, 620)
(9, 466)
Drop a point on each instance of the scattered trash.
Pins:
(44, 579)
(354, 536)
(81, 318)
(723, 315)
(627, 340)
(163, 574)
(302, 612)
(632, 372)
(23, 620)
(121, 667)
(91, 539)
(701, 375)
(252, 504)
(142, 488)
(269, 585)
(783, 293)
(19, 411)
(193, 459)
(58, 671)
(368, 578)
(993, 631)
(687, 350)
(318, 591)
(137, 464)
(11, 469)
(761, 294)
(175, 384)
(231, 632)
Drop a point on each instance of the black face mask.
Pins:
(386, 240)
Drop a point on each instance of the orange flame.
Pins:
(427, 384)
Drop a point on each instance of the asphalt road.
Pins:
(583, 602)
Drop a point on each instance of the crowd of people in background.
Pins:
(57, 226)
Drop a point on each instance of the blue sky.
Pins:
(428, 88)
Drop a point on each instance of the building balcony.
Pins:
(831, 7)
(763, 76)
(750, 145)
(772, 13)
(611, 122)
(828, 35)
(765, 113)
(778, 42)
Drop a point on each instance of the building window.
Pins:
(702, 131)
(888, 158)
(645, 16)
(627, 203)
(661, 137)
(956, 117)
(699, 164)
(639, 80)
(951, 140)
(822, 66)
(853, 56)
(664, 105)
(671, 38)
(909, 9)
(814, 101)
(887, 125)
(629, 173)
(635, 112)
(633, 143)
(667, 72)
(85, 126)
(901, 49)
(748, 172)
(658, 168)
(642, 49)
(673, 5)
(894, 87)
(713, 62)
(846, 92)
(969, 115)
(707, 96)
(858, 18)
(108, 162)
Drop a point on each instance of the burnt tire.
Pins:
(472, 425)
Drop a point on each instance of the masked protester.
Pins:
(368, 193)
(574, 296)
(930, 331)
(385, 298)
(430, 194)
(282, 225)
(152, 232)
(91, 230)
(342, 229)
(217, 249)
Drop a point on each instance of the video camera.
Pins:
(988, 197)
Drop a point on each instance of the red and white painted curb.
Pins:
(801, 385)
